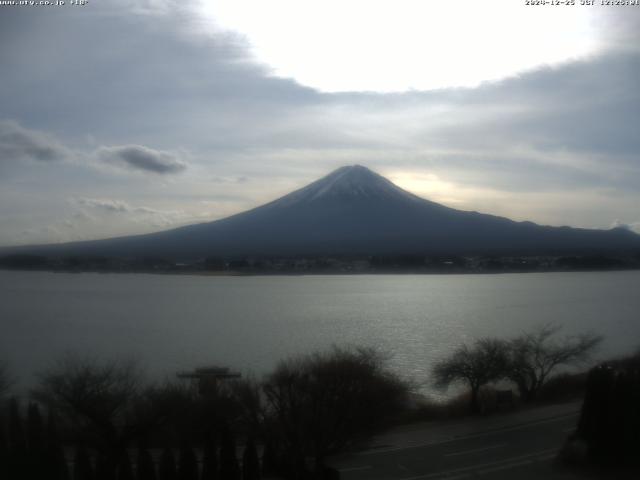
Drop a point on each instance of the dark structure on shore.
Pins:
(207, 378)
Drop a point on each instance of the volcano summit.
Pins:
(352, 211)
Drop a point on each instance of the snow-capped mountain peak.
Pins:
(349, 183)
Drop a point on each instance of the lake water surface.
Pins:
(174, 322)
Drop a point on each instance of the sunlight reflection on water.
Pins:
(176, 322)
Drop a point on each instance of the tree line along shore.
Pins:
(341, 264)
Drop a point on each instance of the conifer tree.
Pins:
(270, 465)
(167, 466)
(82, 467)
(210, 461)
(229, 469)
(105, 468)
(187, 464)
(250, 462)
(35, 429)
(16, 428)
(36, 444)
(56, 462)
(146, 469)
(18, 461)
(125, 472)
(4, 450)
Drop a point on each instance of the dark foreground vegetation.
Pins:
(527, 361)
(104, 422)
(89, 419)
(607, 437)
(329, 264)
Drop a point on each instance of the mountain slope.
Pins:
(353, 211)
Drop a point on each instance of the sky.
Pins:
(129, 117)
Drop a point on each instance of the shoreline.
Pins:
(284, 273)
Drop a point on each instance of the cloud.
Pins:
(631, 226)
(114, 206)
(118, 206)
(138, 213)
(226, 180)
(555, 145)
(18, 143)
(138, 157)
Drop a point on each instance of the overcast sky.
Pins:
(128, 117)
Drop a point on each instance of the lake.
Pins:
(176, 322)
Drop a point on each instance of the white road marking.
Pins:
(475, 450)
(375, 451)
(503, 464)
(520, 463)
(354, 469)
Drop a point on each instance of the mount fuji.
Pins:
(351, 211)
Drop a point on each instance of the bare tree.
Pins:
(96, 397)
(89, 390)
(323, 402)
(247, 402)
(171, 406)
(535, 355)
(483, 362)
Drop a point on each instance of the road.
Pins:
(517, 445)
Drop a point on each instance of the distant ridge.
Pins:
(351, 211)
